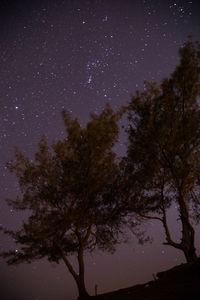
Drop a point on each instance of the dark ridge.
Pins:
(179, 283)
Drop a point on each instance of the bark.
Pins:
(79, 278)
(188, 232)
(187, 242)
(83, 295)
(190, 253)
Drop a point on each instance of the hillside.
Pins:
(181, 282)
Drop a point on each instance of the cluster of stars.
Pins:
(73, 56)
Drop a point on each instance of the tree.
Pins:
(163, 157)
(64, 189)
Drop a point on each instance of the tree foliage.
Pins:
(64, 188)
(77, 192)
(163, 158)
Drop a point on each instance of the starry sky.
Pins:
(79, 55)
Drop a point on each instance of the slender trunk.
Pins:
(187, 242)
(190, 254)
(83, 294)
(188, 232)
(79, 278)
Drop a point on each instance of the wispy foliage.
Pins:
(163, 159)
(65, 188)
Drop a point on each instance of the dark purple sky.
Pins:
(78, 55)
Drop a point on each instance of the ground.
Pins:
(179, 283)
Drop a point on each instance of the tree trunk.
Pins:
(187, 241)
(190, 254)
(188, 232)
(81, 278)
(83, 295)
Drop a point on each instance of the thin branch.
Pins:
(69, 266)
(150, 217)
(165, 225)
(87, 234)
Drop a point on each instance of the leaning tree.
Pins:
(64, 190)
(163, 157)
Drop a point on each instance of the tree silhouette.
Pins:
(64, 190)
(163, 158)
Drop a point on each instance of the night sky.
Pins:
(79, 55)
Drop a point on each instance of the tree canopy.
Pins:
(79, 194)
(64, 189)
(163, 158)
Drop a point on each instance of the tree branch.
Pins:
(150, 217)
(165, 225)
(87, 234)
(69, 266)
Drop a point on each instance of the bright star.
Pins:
(90, 79)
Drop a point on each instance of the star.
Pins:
(90, 79)
(79, 55)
